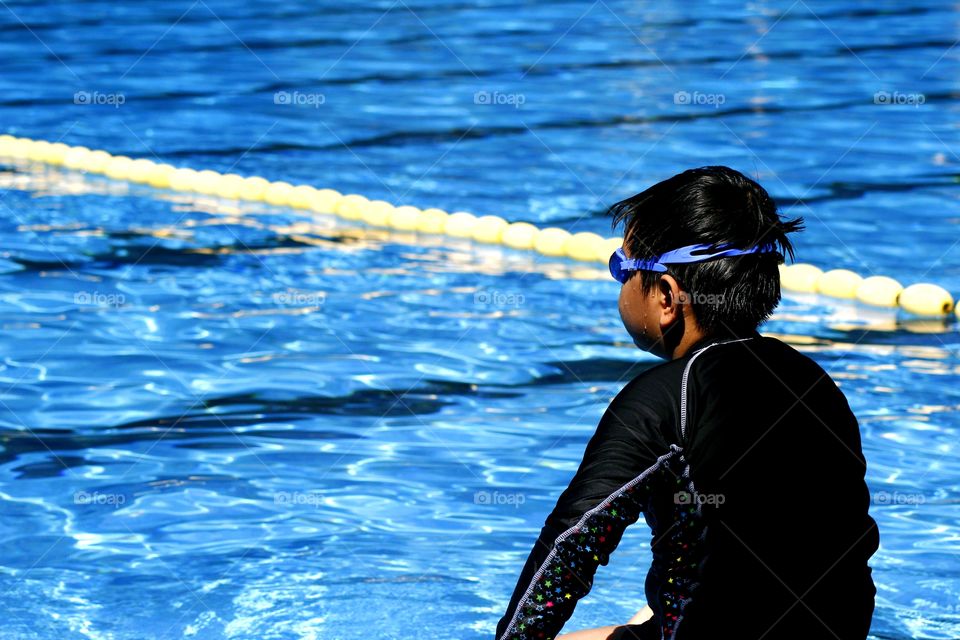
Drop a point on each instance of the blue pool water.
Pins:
(231, 421)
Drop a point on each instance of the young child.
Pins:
(740, 452)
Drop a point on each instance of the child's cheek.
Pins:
(630, 310)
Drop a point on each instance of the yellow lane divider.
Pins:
(922, 299)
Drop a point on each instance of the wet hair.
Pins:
(712, 205)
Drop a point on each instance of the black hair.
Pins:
(712, 205)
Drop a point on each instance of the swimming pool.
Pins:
(231, 421)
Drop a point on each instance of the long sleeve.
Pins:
(624, 459)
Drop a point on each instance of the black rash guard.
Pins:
(745, 460)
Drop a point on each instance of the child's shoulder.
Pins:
(654, 387)
(761, 358)
(723, 363)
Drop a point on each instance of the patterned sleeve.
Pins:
(625, 457)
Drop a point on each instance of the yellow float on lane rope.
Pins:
(879, 291)
(405, 218)
(583, 246)
(376, 212)
(520, 235)
(800, 277)
(460, 224)
(433, 221)
(551, 241)
(489, 229)
(925, 299)
(838, 283)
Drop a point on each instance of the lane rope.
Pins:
(919, 299)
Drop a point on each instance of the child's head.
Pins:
(726, 295)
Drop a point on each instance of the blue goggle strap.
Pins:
(685, 255)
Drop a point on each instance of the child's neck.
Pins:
(691, 336)
(696, 337)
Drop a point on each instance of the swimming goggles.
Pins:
(622, 267)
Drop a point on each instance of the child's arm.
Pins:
(613, 631)
(641, 616)
(600, 633)
(626, 455)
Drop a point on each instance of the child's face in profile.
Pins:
(646, 316)
(639, 313)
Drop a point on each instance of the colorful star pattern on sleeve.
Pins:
(683, 552)
(567, 573)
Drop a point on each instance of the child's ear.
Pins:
(671, 311)
(670, 295)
